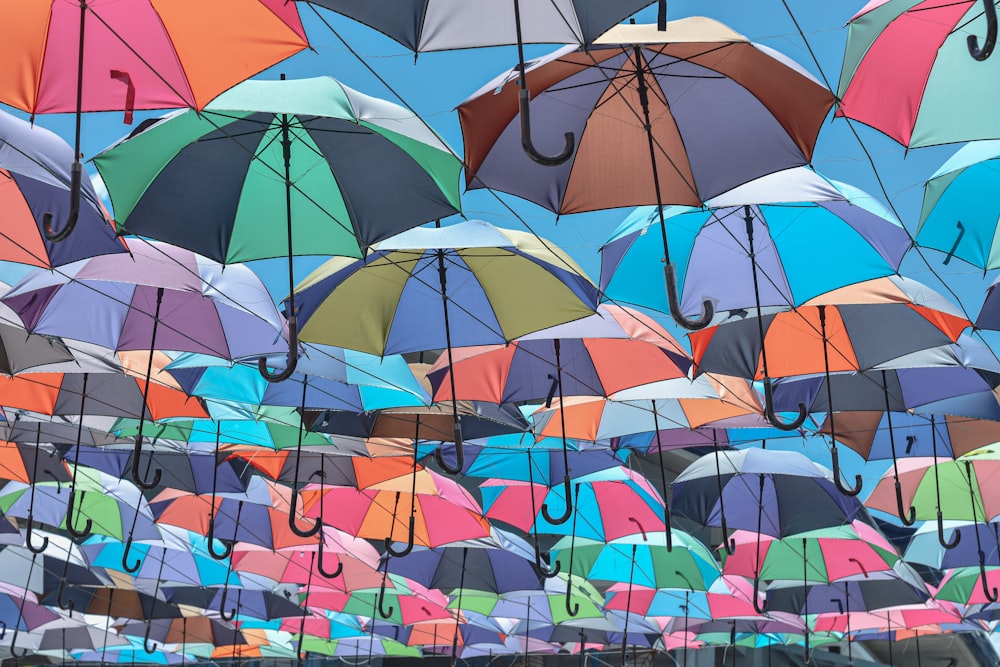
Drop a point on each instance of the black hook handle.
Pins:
(529, 148)
(991, 594)
(728, 542)
(223, 614)
(293, 510)
(227, 549)
(131, 569)
(955, 538)
(409, 542)
(673, 300)
(70, 511)
(147, 646)
(76, 174)
(459, 452)
(27, 537)
(760, 606)
(67, 605)
(541, 563)
(381, 601)
(847, 491)
(552, 390)
(907, 519)
(319, 564)
(13, 651)
(573, 610)
(136, 472)
(564, 517)
(773, 418)
(806, 651)
(293, 356)
(3, 632)
(990, 11)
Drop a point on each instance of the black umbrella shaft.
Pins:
(79, 79)
(458, 611)
(647, 125)
(826, 372)
(748, 218)
(888, 420)
(286, 152)
(443, 280)
(628, 604)
(149, 364)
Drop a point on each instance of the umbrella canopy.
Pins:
(715, 246)
(436, 25)
(34, 180)
(199, 305)
(908, 72)
(228, 159)
(730, 479)
(710, 91)
(615, 349)
(489, 270)
(159, 56)
(955, 218)
(865, 325)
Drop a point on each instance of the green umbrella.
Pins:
(340, 169)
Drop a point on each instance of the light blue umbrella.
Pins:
(793, 214)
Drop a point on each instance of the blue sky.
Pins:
(437, 82)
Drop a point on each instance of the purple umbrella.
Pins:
(159, 297)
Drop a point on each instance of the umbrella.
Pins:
(731, 479)
(910, 70)
(136, 55)
(770, 225)
(33, 180)
(532, 367)
(258, 146)
(490, 270)
(954, 218)
(639, 88)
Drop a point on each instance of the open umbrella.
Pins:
(640, 89)
(257, 145)
(406, 277)
(917, 70)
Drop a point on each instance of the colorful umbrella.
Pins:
(257, 145)
(33, 183)
(916, 70)
(639, 88)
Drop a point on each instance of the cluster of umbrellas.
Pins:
(449, 439)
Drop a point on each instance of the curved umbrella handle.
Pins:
(955, 538)
(549, 572)
(27, 537)
(293, 356)
(674, 302)
(459, 453)
(227, 549)
(409, 542)
(567, 513)
(70, 511)
(293, 510)
(223, 614)
(68, 605)
(131, 569)
(381, 603)
(847, 491)
(3, 632)
(728, 542)
(806, 651)
(910, 518)
(991, 594)
(760, 606)
(13, 642)
(136, 473)
(773, 418)
(990, 11)
(529, 148)
(573, 610)
(861, 566)
(319, 564)
(76, 174)
(147, 646)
